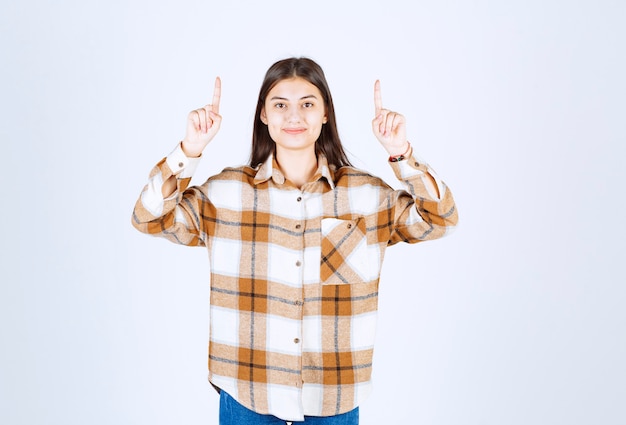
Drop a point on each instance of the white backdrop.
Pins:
(516, 318)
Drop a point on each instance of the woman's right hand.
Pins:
(203, 124)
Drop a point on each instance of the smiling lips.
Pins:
(294, 130)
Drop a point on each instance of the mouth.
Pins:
(294, 130)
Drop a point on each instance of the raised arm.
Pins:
(202, 126)
(389, 127)
(157, 211)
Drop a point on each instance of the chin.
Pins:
(296, 146)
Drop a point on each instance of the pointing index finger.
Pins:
(378, 99)
(217, 94)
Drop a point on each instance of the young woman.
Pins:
(296, 241)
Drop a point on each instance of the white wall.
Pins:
(517, 318)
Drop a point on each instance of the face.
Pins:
(294, 113)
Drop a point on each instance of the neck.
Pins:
(297, 166)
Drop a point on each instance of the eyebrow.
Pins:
(308, 96)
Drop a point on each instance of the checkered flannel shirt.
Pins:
(294, 272)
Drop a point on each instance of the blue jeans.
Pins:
(233, 413)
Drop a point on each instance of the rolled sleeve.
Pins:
(413, 169)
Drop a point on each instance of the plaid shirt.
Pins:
(294, 272)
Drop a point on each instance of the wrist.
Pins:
(396, 155)
(189, 153)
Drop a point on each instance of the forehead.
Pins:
(296, 88)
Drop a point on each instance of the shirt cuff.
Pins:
(411, 166)
(415, 167)
(181, 165)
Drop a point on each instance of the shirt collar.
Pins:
(269, 170)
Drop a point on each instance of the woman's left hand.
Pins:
(389, 127)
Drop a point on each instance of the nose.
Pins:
(293, 115)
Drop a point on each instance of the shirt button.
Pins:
(180, 165)
(296, 340)
(299, 198)
(349, 225)
(298, 263)
(298, 226)
(417, 164)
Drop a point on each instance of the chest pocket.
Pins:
(344, 252)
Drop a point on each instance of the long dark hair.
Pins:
(328, 144)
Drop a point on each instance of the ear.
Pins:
(263, 116)
(325, 120)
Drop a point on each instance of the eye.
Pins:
(280, 105)
(308, 104)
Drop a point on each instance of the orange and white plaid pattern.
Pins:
(294, 272)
